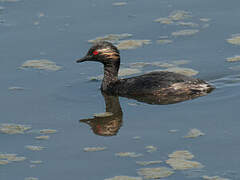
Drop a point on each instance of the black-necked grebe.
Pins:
(155, 88)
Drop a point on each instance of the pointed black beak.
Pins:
(85, 58)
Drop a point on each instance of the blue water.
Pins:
(58, 100)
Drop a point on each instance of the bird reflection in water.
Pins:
(110, 124)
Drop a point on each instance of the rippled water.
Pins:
(59, 31)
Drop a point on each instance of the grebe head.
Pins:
(104, 52)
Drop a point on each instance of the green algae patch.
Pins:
(104, 114)
(186, 32)
(155, 173)
(234, 58)
(146, 163)
(132, 44)
(193, 133)
(180, 160)
(34, 148)
(111, 37)
(42, 137)
(128, 154)
(13, 128)
(119, 4)
(42, 64)
(214, 178)
(48, 131)
(124, 178)
(15, 88)
(94, 149)
(235, 39)
(151, 149)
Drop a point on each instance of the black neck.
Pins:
(110, 74)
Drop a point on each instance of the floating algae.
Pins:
(104, 114)
(235, 39)
(186, 32)
(15, 88)
(179, 160)
(13, 128)
(124, 178)
(154, 64)
(155, 173)
(31, 178)
(181, 155)
(174, 16)
(179, 15)
(173, 130)
(128, 154)
(183, 164)
(184, 71)
(164, 20)
(34, 148)
(190, 24)
(146, 163)
(42, 64)
(193, 133)
(164, 41)
(132, 44)
(136, 137)
(234, 58)
(94, 149)
(3, 162)
(205, 19)
(7, 158)
(36, 162)
(111, 37)
(42, 137)
(151, 149)
(48, 131)
(119, 4)
(214, 178)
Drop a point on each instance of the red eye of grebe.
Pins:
(95, 52)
